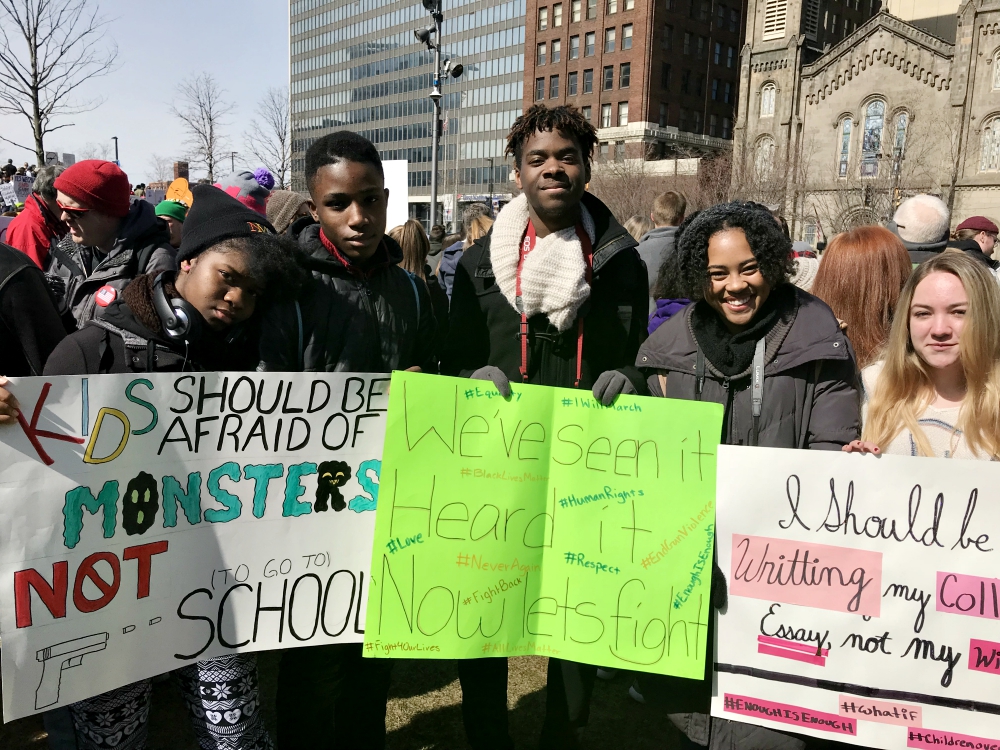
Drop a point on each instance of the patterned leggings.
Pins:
(221, 695)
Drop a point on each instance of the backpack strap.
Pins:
(301, 337)
(416, 293)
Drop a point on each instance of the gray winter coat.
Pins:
(653, 248)
(811, 392)
(143, 246)
(811, 400)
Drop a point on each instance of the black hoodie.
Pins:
(375, 318)
(122, 340)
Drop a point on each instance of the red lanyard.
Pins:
(527, 245)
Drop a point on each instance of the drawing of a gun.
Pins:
(62, 656)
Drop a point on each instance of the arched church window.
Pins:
(996, 71)
(871, 141)
(767, 94)
(845, 145)
(764, 158)
(989, 159)
(899, 147)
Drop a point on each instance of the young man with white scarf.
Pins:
(555, 295)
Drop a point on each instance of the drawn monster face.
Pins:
(140, 504)
(332, 474)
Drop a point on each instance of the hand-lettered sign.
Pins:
(863, 597)
(146, 522)
(543, 524)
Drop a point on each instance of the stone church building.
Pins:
(846, 108)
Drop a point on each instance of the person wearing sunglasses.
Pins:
(111, 239)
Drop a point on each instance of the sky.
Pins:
(242, 43)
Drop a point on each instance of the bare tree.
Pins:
(202, 108)
(268, 139)
(161, 168)
(93, 150)
(48, 48)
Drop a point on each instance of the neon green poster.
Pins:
(544, 524)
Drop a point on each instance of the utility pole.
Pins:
(491, 187)
(232, 160)
(115, 139)
(424, 36)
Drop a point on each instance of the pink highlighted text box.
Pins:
(784, 570)
(866, 709)
(972, 596)
(805, 718)
(984, 656)
(933, 739)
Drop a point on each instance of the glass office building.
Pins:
(358, 66)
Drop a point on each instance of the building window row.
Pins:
(369, 27)
(482, 176)
(466, 47)
(621, 118)
(545, 21)
(483, 149)
(610, 45)
(573, 80)
(488, 121)
(475, 97)
(357, 8)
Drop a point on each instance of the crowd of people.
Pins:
(886, 343)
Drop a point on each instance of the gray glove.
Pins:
(497, 376)
(610, 385)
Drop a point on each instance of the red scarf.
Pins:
(373, 264)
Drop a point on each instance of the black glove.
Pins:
(610, 385)
(720, 592)
(497, 376)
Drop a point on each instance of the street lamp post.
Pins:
(424, 36)
(232, 160)
(491, 186)
(115, 139)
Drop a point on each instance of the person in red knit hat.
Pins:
(111, 239)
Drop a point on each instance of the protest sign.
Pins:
(154, 195)
(22, 186)
(863, 597)
(150, 521)
(543, 524)
(8, 193)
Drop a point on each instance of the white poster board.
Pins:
(396, 182)
(864, 600)
(22, 186)
(155, 195)
(150, 521)
(8, 193)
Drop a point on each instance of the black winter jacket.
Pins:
(30, 327)
(343, 321)
(811, 393)
(118, 342)
(143, 246)
(972, 248)
(484, 326)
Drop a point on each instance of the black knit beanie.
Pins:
(214, 217)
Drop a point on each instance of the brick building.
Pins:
(658, 78)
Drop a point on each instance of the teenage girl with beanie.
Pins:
(200, 318)
(734, 261)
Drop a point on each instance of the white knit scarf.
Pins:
(554, 275)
